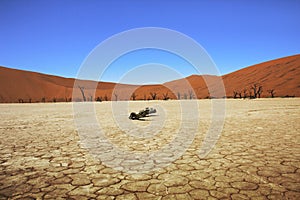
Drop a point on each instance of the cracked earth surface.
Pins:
(256, 157)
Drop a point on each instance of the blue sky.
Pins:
(55, 37)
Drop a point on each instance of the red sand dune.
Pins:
(282, 75)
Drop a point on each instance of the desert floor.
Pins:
(45, 153)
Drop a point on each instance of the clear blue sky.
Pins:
(54, 37)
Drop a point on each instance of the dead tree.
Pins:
(240, 94)
(272, 93)
(82, 92)
(250, 94)
(105, 98)
(178, 95)
(166, 96)
(191, 94)
(68, 99)
(116, 96)
(257, 90)
(153, 95)
(245, 94)
(99, 99)
(254, 88)
(185, 96)
(235, 94)
(133, 96)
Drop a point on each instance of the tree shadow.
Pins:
(146, 118)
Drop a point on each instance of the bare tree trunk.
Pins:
(153, 95)
(178, 95)
(133, 96)
(99, 99)
(235, 93)
(166, 96)
(245, 95)
(82, 92)
(240, 94)
(185, 96)
(272, 93)
(257, 90)
(105, 98)
(116, 96)
(191, 94)
(250, 94)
